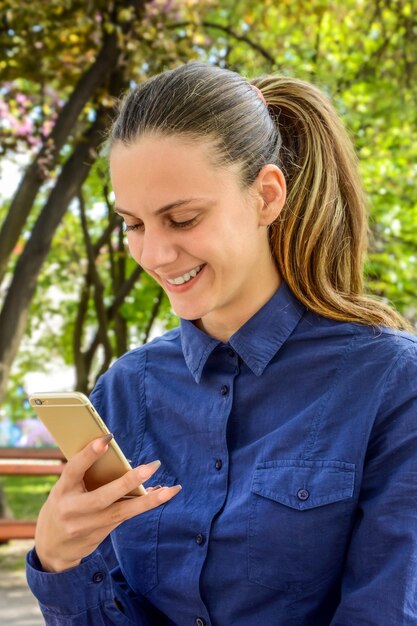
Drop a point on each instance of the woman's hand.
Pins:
(74, 521)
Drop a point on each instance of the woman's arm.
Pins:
(380, 576)
(93, 593)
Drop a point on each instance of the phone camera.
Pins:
(37, 401)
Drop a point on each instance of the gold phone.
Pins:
(73, 422)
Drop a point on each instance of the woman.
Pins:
(286, 402)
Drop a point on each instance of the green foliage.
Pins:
(26, 494)
(361, 53)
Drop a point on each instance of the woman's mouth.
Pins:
(185, 278)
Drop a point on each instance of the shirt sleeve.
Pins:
(91, 594)
(379, 585)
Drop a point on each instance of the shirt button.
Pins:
(224, 390)
(98, 577)
(218, 464)
(303, 494)
(230, 352)
(200, 622)
(200, 539)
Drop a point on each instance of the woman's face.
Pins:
(195, 231)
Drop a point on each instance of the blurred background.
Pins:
(71, 299)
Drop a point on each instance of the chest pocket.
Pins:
(299, 522)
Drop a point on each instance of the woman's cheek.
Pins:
(134, 248)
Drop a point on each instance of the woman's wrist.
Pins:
(55, 565)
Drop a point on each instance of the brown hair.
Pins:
(320, 237)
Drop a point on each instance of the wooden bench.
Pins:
(27, 462)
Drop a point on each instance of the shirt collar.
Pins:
(256, 342)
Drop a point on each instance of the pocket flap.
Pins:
(304, 484)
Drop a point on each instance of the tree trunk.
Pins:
(81, 369)
(154, 314)
(84, 360)
(36, 173)
(14, 314)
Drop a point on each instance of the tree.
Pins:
(59, 103)
(104, 73)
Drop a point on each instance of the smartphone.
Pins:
(73, 422)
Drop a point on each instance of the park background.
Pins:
(71, 299)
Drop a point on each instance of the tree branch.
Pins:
(112, 310)
(14, 314)
(81, 373)
(35, 174)
(98, 287)
(154, 313)
(229, 31)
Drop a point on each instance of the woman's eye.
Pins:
(185, 224)
(130, 227)
(172, 223)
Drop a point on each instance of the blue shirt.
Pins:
(296, 446)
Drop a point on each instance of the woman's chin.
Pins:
(189, 307)
(187, 313)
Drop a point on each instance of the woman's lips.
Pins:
(185, 286)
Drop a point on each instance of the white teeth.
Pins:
(185, 277)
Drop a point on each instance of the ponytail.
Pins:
(320, 238)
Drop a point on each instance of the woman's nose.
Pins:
(157, 250)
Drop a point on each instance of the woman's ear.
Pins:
(271, 187)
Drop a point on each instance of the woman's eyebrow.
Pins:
(163, 209)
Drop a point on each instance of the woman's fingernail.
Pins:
(154, 464)
(101, 442)
(148, 469)
(162, 493)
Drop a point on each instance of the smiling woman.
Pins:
(188, 222)
(284, 403)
